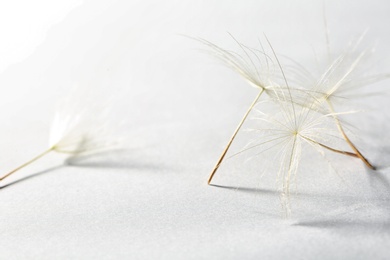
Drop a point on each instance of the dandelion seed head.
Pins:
(81, 124)
(254, 65)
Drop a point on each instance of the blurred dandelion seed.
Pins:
(80, 127)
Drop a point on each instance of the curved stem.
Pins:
(330, 148)
(234, 136)
(354, 148)
(27, 163)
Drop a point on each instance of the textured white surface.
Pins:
(151, 201)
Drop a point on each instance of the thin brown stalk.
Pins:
(234, 136)
(331, 149)
(27, 163)
(354, 148)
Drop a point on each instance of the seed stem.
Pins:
(234, 136)
(354, 148)
(27, 163)
(330, 148)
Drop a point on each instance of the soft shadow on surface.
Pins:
(293, 194)
(32, 176)
(372, 216)
(380, 161)
(114, 159)
(345, 212)
(349, 226)
(378, 180)
(256, 191)
(339, 223)
(247, 189)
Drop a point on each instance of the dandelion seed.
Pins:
(291, 126)
(282, 135)
(259, 69)
(298, 126)
(343, 77)
(79, 127)
(256, 67)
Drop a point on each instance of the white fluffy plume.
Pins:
(81, 125)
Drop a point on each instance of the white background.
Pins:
(175, 109)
